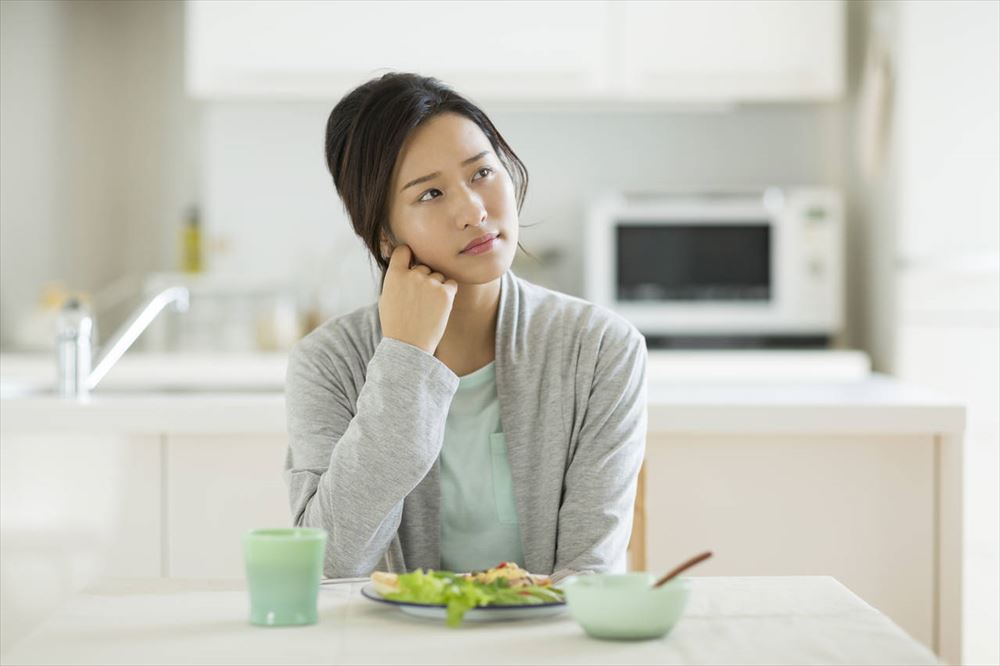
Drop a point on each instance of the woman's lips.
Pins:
(481, 244)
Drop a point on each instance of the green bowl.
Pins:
(624, 606)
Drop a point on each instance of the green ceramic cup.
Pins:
(624, 606)
(284, 567)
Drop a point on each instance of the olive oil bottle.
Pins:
(191, 246)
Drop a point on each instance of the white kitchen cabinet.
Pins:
(492, 51)
(858, 508)
(485, 49)
(73, 507)
(732, 49)
(218, 488)
(94, 499)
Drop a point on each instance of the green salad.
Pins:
(460, 594)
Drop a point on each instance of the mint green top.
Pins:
(478, 516)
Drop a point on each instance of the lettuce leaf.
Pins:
(460, 594)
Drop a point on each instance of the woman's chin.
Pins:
(487, 271)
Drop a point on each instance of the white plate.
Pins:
(481, 614)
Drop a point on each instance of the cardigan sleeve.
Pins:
(595, 516)
(350, 464)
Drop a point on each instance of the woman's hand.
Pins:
(415, 303)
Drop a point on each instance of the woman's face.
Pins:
(462, 193)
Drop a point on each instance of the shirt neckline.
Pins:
(477, 377)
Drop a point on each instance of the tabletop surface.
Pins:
(748, 620)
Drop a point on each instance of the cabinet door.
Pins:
(735, 50)
(860, 509)
(218, 487)
(73, 508)
(321, 49)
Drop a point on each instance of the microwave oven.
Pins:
(743, 268)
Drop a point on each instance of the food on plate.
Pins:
(515, 575)
(506, 584)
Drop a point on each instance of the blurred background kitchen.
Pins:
(148, 145)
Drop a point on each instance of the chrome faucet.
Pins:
(75, 340)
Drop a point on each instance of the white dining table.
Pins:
(729, 620)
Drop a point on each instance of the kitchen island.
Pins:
(859, 478)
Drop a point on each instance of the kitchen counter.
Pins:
(267, 370)
(761, 620)
(803, 392)
(877, 404)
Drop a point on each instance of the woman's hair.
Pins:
(367, 129)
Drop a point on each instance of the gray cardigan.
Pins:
(366, 418)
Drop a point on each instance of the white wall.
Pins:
(31, 81)
(98, 147)
(948, 131)
(270, 201)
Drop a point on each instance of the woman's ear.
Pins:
(387, 243)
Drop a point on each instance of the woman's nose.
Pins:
(472, 212)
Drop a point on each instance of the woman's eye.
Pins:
(423, 196)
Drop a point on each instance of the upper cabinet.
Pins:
(739, 50)
(522, 51)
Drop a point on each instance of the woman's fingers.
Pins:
(400, 258)
(415, 303)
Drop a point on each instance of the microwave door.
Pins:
(699, 262)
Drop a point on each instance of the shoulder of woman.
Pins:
(578, 314)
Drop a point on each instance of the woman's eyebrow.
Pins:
(417, 181)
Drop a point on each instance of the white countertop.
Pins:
(242, 394)
(761, 620)
(267, 370)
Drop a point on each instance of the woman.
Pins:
(469, 417)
